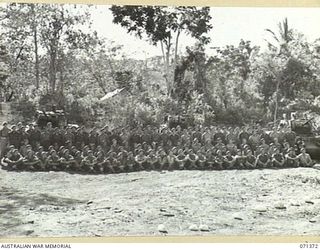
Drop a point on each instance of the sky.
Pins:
(230, 24)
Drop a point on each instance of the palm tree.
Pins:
(281, 39)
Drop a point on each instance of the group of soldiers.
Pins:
(103, 150)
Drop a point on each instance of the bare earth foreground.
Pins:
(237, 202)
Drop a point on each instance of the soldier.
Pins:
(220, 145)
(114, 146)
(56, 137)
(210, 159)
(78, 161)
(85, 151)
(78, 139)
(228, 161)
(153, 161)
(163, 159)
(202, 160)
(171, 160)
(54, 161)
(219, 160)
(14, 160)
(67, 161)
(43, 158)
(263, 159)
(141, 160)
(191, 159)
(244, 145)
(278, 160)
(4, 138)
(25, 147)
(180, 159)
(207, 137)
(60, 151)
(231, 147)
(84, 136)
(94, 137)
(89, 162)
(264, 145)
(250, 159)
(305, 159)
(113, 162)
(30, 161)
(68, 135)
(22, 132)
(45, 138)
(14, 138)
(292, 161)
(240, 159)
(244, 134)
(220, 137)
(290, 137)
(121, 161)
(31, 136)
(286, 147)
(100, 165)
(130, 162)
(254, 139)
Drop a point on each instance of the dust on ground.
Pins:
(234, 202)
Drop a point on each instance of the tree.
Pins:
(164, 25)
(282, 39)
(58, 30)
(228, 74)
(4, 69)
(20, 23)
(46, 28)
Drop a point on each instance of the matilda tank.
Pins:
(304, 129)
(56, 117)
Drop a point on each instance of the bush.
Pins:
(23, 110)
(240, 116)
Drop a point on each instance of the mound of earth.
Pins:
(234, 202)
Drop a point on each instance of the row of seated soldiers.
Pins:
(206, 153)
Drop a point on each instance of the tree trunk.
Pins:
(61, 73)
(35, 41)
(168, 78)
(163, 54)
(52, 69)
(176, 49)
(36, 58)
(275, 115)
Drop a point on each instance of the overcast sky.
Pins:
(230, 24)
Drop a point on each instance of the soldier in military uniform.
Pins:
(292, 161)
(250, 159)
(34, 134)
(4, 135)
(305, 159)
(263, 159)
(54, 161)
(14, 137)
(67, 160)
(278, 160)
(89, 162)
(30, 161)
(14, 160)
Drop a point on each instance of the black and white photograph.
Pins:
(150, 120)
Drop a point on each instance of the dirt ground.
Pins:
(234, 202)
